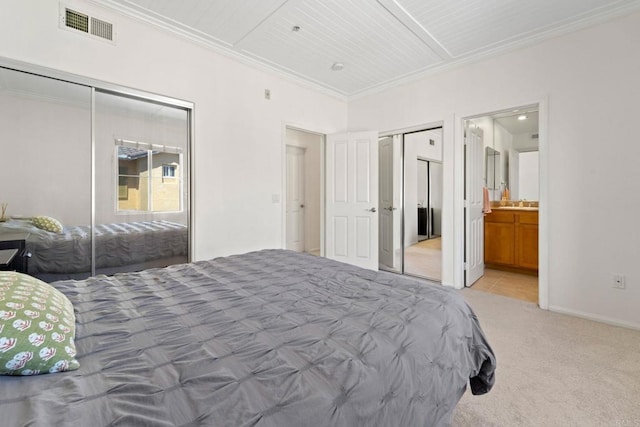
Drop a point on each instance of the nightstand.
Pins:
(6, 258)
(20, 260)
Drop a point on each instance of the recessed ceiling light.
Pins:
(337, 66)
(296, 28)
(522, 117)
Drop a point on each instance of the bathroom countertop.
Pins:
(515, 208)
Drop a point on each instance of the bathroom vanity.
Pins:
(511, 239)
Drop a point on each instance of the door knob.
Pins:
(372, 210)
(391, 208)
(302, 206)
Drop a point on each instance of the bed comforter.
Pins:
(117, 245)
(269, 338)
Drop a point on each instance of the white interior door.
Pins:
(474, 217)
(352, 198)
(295, 198)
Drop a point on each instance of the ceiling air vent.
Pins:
(102, 29)
(76, 20)
(87, 24)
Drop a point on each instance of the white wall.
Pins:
(589, 81)
(238, 134)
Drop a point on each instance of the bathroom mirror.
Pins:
(523, 170)
(492, 168)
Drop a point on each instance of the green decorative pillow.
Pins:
(37, 327)
(47, 223)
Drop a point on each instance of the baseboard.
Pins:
(595, 317)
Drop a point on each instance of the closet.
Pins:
(106, 168)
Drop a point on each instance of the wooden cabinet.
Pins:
(511, 240)
(499, 238)
(526, 240)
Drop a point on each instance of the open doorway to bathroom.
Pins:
(510, 181)
(410, 174)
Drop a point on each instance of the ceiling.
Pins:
(379, 42)
(512, 122)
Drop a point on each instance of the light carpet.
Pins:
(424, 259)
(553, 369)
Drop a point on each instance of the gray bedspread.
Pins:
(269, 338)
(117, 245)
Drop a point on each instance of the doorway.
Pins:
(508, 177)
(410, 181)
(303, 189)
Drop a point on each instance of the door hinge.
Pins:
(466, 266)
(465, 204)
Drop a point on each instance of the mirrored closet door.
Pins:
(45, 174)
(141, 192)
(423, 203)
(410, 219)
(91, 181)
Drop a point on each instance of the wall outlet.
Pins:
(618, 281)
(267, 94)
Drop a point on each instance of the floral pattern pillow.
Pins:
(37, 327)
(47, 223)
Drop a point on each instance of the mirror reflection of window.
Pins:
(148, 180)
(141, 206)
(132, 179)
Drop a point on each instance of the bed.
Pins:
(268, 338)
(57, 255)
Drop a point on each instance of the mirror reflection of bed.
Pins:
(126, 174)
(120, 247)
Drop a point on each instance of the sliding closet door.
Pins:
(423, 203)
(141, 188)
(45, 171)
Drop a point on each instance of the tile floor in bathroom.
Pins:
(508, 284)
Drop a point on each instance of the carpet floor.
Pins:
(424, 259)
(553, 369)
